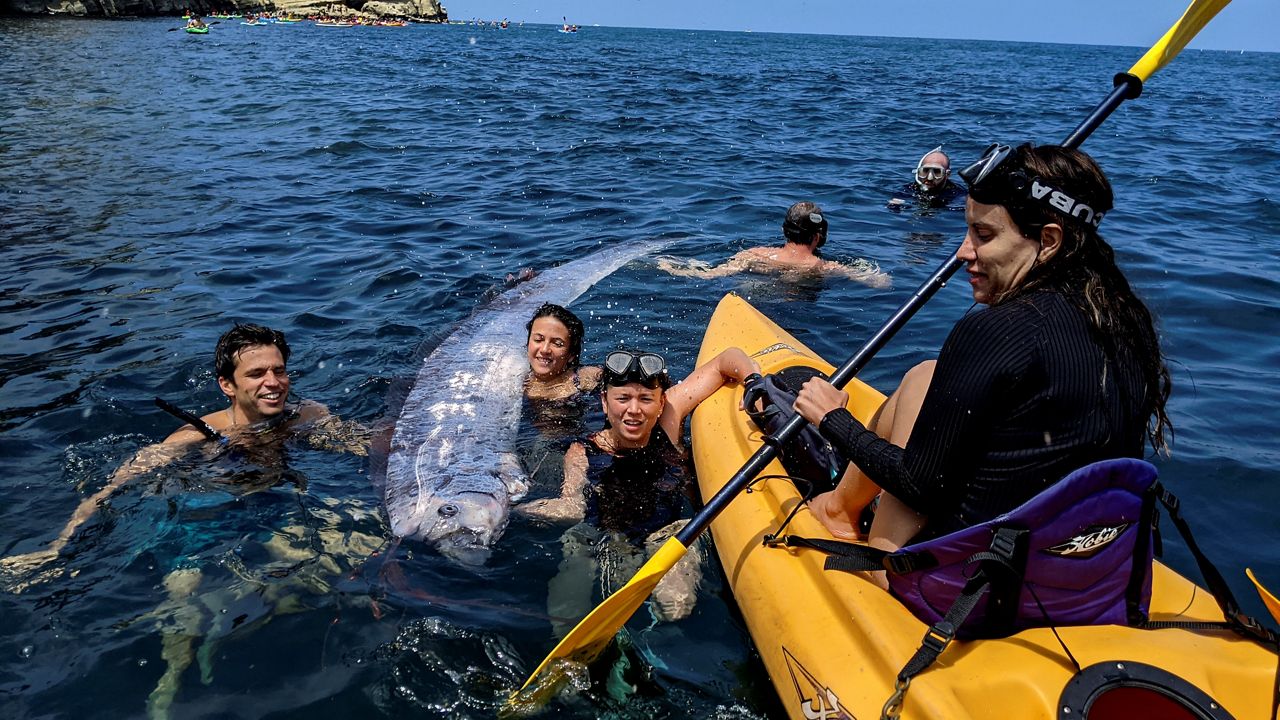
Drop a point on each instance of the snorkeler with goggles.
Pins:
(625, 485)
(932, 187)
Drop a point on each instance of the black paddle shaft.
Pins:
(1126, 87)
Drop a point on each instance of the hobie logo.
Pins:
(1065, 203)
(817, 702)
(1088, 543)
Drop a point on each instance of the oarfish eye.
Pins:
(448, 511)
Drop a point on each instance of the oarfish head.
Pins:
(462, 526)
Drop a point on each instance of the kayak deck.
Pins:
(833, 642)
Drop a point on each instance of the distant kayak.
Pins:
(324, 24)
(197, 31)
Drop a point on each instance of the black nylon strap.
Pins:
(1140, 569)
(843, 556)
(939, 636)
(1006, 560)
(854, 557)
(1006, 565)
(1241, 623)
(1186, 625)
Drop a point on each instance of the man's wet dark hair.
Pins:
(803, 220)
(570, 321)
(240, 337)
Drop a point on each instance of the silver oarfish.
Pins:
(452, 471)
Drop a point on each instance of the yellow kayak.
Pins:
(833, 643)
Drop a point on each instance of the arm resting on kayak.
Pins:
(730, 366)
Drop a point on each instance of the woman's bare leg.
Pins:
(839, 509)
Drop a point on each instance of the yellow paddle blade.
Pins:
(1273, 604)
(1198, 14)
(586, 641)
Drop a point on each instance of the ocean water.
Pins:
(365, 189)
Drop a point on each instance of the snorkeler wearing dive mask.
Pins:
(932, 186)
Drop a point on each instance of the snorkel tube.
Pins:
(194, 421)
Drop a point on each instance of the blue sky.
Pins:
(1242, 25)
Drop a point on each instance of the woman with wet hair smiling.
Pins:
(1060, 367)
(554, 348)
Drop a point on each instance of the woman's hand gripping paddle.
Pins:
(593, 634)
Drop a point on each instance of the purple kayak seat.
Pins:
(1078, 553)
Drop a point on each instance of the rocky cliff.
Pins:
(429, 10)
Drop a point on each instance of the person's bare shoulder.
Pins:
(310, 411)
(763, 253)
(589, 377)
(188, 434)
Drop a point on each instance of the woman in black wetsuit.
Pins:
(1062, 368)
(629, 481)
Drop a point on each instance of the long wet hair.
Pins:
(571, 322)
(1085, 266)
(240, 337)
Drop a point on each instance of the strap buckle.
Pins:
(938, 637)
(1004, 544)
(899, 563)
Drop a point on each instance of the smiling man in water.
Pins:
(251, 366)
(250, 361)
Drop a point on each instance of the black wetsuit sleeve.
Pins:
(880, 459)
(932, 473)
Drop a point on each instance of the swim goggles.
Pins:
(624, 366)
(992, 181)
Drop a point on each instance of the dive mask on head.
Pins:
(623, 366)
(993, 181)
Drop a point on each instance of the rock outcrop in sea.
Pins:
(425, 10)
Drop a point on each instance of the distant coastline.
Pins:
(419, 10)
